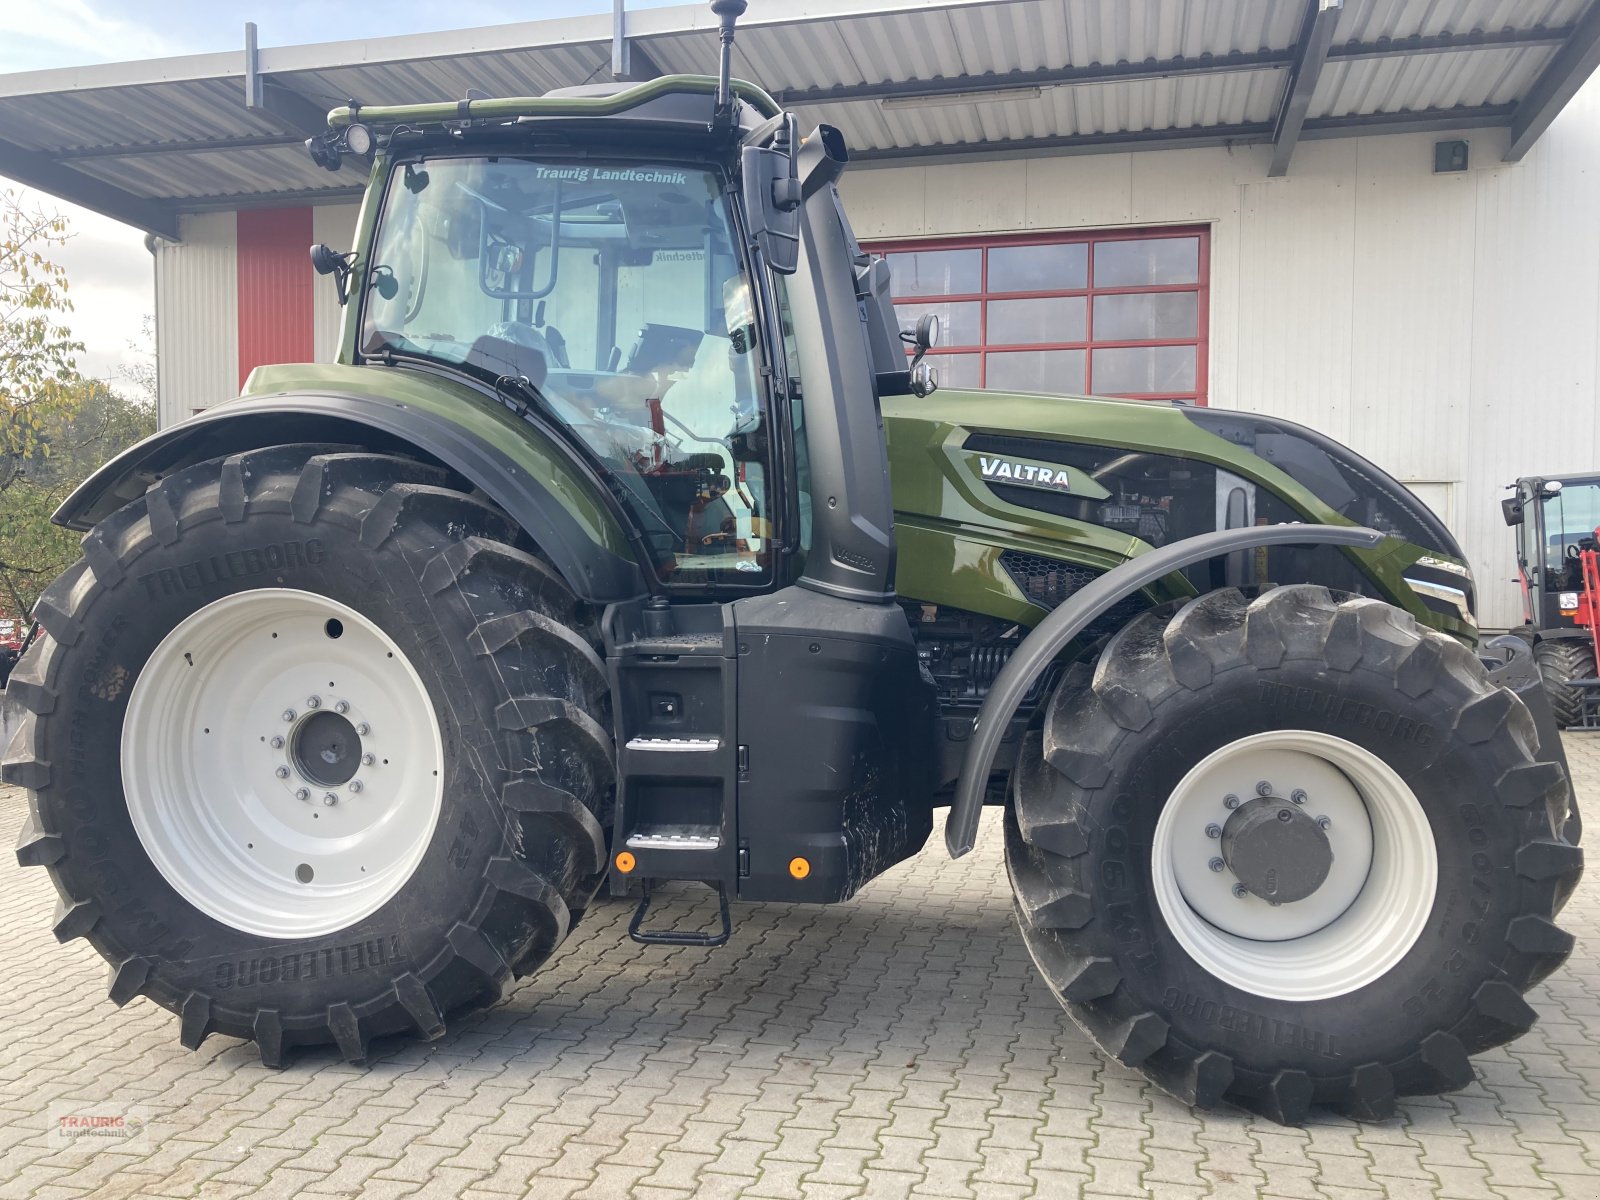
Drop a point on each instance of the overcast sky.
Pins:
(109, 269)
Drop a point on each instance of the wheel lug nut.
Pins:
(368, 759)
(288, 714)
(1323, 823)
(1263, 788)
(302, 793)
(1230, 801)
(1213, 830)
(363, 729)
(356, 785)
(1298, 795)
(342, 706)
(313, 701)
(277, 742)
(282, 772)
(329, 799)
(1240, 891)
(1217, 864)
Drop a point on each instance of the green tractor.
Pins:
(629, 541)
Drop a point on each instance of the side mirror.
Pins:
(327, 261)
(924, 337)
(772, 198)
(1511, 510)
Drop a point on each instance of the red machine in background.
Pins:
(13, 636)
(1588, 614)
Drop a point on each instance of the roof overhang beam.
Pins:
(1566, 72)
(36, 170)
(1310, 53)
(1434, 120)
(197, 146)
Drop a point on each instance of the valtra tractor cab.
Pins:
(628, 541)
(1554, 518)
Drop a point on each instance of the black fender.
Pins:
(1051, 635)
(594, 572)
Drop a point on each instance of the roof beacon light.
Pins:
(727, 12)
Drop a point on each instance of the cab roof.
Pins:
(671, 99)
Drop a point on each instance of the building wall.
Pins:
(197, 316)
(1442, 325)
(215, 321)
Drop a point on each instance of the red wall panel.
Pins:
(275, 281)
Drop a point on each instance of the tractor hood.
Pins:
(1104, 480)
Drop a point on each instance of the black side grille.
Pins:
(1049, 581)
(1045, 581)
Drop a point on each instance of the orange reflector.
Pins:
(799, 868)
(625, 862)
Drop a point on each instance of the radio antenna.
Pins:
(727, 11)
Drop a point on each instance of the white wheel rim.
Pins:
(1356, 926)
(229, 798)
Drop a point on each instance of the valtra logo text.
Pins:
(1039, 475)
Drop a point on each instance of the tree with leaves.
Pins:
(55, 426)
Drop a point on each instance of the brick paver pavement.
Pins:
(898, 1045)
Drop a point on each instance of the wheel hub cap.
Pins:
(1277, 852)
(326, 749)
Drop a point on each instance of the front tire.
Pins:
(1353, 988)
(315, 753)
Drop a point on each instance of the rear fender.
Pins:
(583, 543)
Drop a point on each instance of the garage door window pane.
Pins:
(1147, 262)
(955, 370)
(958, 322)
(1144, 369)
(1058, 268)
(1023, 322)
(936, 272)
(1036, 371)
(1146, 317)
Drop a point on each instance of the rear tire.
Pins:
(474, 704)
(1279, 1025)
(1560, 661)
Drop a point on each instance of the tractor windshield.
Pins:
(615, 292)
(1570, 515)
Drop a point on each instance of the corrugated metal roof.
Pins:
(1058, 74)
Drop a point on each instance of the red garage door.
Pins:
(1109, 313)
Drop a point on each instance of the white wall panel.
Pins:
(1413, 280)
(197, 316)
(334, 224)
